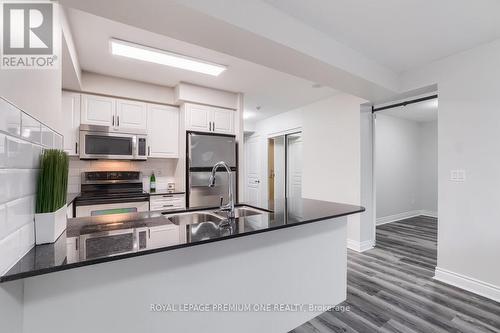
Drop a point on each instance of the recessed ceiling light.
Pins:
(316, 85)
(149, 54)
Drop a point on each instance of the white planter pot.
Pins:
(49, 226)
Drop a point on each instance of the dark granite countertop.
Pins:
(66, 253)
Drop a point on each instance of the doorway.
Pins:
(405, 169)
(284, 169)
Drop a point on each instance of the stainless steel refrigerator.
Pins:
(203, 152)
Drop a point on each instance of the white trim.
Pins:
(397, 217)
(284, 132)
(467, 283)
(359, 246)
(405, 215)
(429, 213)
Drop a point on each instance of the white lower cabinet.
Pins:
(161, 236)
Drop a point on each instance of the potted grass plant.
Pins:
(50, 212)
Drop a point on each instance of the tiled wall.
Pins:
(22, 139)
(161, 167)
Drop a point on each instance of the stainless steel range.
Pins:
(111, 192)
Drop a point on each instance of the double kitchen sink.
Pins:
(216, 216)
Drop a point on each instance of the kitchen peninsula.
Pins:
(290, 256)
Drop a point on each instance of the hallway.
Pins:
(391, 289)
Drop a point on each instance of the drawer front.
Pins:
(167, 202)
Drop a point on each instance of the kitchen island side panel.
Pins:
(301, 265)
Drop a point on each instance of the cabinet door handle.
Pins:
(117, 120)
(168, 205)
(76, 147)
(113, 120)
(149, 150)
(213, 126)
(210, 126)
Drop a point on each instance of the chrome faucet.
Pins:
(229, 206)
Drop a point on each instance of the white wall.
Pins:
(114, 86)
(331, 155)
(468, 136)
(406, 167)
(36, 91)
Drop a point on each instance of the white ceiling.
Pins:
(420, 112)
(272, 90)
(400, 34)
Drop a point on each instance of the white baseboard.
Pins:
(405, 215)
(429, 213)
(397, 217)
(359, 246)
(467, 283)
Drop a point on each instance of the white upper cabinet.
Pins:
(113, 112)
(223, 121)
(209, 119)
(163, 131)
(198, 118)
(71, 121)
(98, 110)
(131, 114)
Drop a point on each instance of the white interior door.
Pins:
(294, 174)
(279, 169)
(294, 171)
(252, 160)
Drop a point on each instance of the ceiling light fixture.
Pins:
(149, 54)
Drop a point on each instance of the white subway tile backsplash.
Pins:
(47, 137)
(26, 238)
(3, 150)
(21, 138)
(161, 167)
(58, 141)
(30, 128)
(3, 221)
(6, 186)
(19, 153)
(9, 251)
(10, 118)
(74, 188)
(19, 213)
(36, 151)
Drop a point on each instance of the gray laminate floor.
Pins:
(390, 289)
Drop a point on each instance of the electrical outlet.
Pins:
(458, 175)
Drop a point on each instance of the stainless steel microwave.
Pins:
(102, 142)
